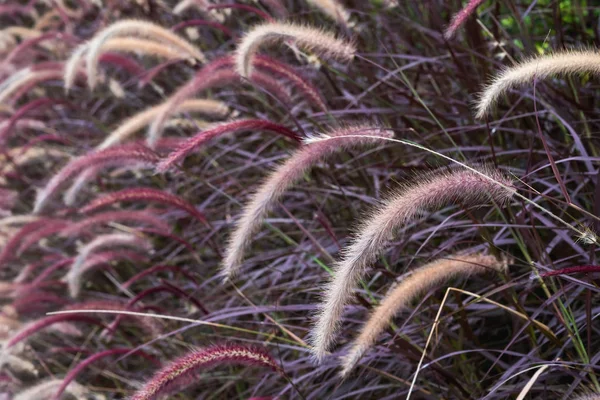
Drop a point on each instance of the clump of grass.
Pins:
(539, 67)
(417, 283)
(283, 178)
(165, 380)
(427, 193)
(322, 43)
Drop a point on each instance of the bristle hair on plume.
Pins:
(430, 192)
(418, 282)
(284, 177)
(139, 28)
(325, 44)
(196, 360)
(540, 67)
(74, 276)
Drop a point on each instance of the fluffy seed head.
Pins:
(333, 9)
(43, 389)
(428, 193)
(200, 359)
(417, 283)
(541, 67)
(127, 27)
(323, 43)
(284, 177)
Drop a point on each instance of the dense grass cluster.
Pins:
(321, 199)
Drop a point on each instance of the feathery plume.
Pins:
(110, 157)
(323, 43)
(108, 217)
(333, 9)
(461, 17)
(77, 269)
(199, 359)
(33, 327)
(50, 228)
(145, 195)
(127, 27)
(201, 138)
(10, 248)
(428, 193)
(284, 177)
(541, 67)
(30, 78)
(417, 283)
(43, 391)
(207, 107)
(72, 374)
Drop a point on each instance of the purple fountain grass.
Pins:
(26, 272)
(234, 127)
(125, 27)
(585, 269)
(417, 283)
(333, 9)
(158, 268)
(196, 360)
(166, 287)
(203, 22)
(70, 195)
(123, 62)
(50, 228)
(10, 248)
(321, 42)
(132, 124)
(144, 217)
(150, 325)
(220, 72)
(35, 302)
(94, 261)
(116, 156)
(25, 109)
(44, 322)
(461, 17)
(143, 194)
(77, 269)
(283, 178)
(429, 192)
(42, 391)
(72, 374)
(540, 67)
(243, 7)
